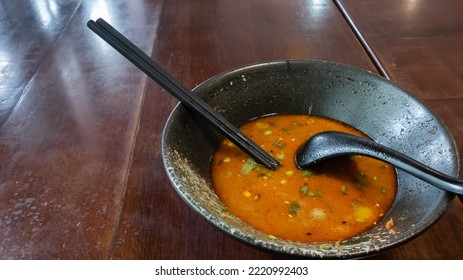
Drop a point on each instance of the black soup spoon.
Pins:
(332, 144)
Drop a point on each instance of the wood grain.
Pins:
(66, 147)
(81, 173)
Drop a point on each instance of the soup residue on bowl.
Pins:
(333, 201)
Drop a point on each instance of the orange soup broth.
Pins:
(334, 200)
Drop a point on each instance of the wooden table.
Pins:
(81, 175)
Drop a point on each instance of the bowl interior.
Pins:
(359, 98)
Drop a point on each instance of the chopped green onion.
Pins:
(318, 193)
(293, 208)
(267, 132)
(304, 190)
(307, 173)
(272, 237)
(281, 156)
(248, 166)
(279, 144)
(289, 173)
(383, 190)
(307, 192)
(325, 247)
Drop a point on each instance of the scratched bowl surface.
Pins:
(354, 96)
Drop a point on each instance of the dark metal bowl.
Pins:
(366, 101)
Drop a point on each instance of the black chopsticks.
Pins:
(174, 87)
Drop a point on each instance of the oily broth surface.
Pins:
(334, 200)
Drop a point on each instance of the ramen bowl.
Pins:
(363, 100)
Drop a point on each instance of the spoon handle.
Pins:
(339, 143)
